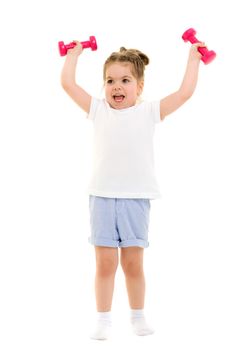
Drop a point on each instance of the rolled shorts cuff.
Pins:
(116, 244)
(134, 243)
(103, 242)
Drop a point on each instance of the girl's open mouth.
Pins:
(118, 98)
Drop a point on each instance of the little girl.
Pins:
(123, 180)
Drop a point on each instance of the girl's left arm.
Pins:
(172, 102)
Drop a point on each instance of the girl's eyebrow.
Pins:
(125, 76)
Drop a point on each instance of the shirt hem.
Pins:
(125, 195)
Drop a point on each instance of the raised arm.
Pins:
(172, 102)
(68, 81)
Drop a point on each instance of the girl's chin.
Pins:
(118, 104)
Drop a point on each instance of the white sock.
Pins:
(103, 326)
(140, 326)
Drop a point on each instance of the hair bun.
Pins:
(123, 49)
(144, 58)
(138, 53)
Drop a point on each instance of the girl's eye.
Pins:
(125, 80)
(109, 81)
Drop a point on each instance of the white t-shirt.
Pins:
(123, 150)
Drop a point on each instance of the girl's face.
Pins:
(121, 88)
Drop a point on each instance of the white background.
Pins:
(46, 264)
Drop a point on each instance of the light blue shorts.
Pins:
(119, 222)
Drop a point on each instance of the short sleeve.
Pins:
(95, 103)
(154, 110)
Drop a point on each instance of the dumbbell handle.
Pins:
(202, 50)
(85, 45)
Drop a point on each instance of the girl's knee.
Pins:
(106, 262)
(132, 262)
(106, 267)
(132, 268)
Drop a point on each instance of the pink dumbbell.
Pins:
(85, 44)
(207, 56)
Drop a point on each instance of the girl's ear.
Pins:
(140, 87)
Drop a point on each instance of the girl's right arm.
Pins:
(68, 81)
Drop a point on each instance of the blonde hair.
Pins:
(136, 58)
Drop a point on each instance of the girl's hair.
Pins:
(137, 59)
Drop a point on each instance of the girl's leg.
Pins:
(106, 266)
(132, 264)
